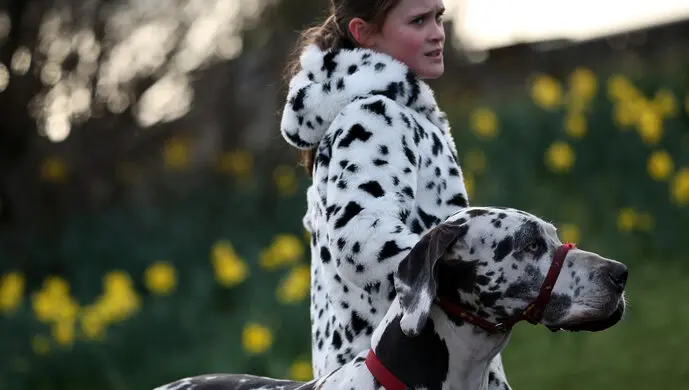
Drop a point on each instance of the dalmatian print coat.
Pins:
(386, 171)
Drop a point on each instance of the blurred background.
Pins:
(150, 212)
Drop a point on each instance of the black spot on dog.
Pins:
(456, 275)
(473, 213)
(235, 381)
(482, 280)
(429, 372)
(488, 299)
(503, 249)
(557, 307)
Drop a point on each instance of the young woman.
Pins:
(384, 165)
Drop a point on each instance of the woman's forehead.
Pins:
(418, 6)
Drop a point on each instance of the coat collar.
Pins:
(330, 80)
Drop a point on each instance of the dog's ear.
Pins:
(416, 283)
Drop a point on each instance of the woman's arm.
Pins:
(371, 152)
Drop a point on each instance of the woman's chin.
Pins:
(431, 71)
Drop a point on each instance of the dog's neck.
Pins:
(446, 355)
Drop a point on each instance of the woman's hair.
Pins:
(333, 33)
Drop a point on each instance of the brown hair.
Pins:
(333, 33)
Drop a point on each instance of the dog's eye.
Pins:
(534, 247)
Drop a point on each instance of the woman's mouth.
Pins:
(435, 54)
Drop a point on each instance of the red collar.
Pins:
(382, 374)
(532, 313)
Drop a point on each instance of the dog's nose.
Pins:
(618, 275)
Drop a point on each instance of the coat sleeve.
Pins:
(370, 179)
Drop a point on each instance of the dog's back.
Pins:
(234, 382)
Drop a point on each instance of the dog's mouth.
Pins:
(596, 325)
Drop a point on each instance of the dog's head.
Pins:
(492, 263)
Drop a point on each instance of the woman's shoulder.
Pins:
(348, 83)
(378, 114)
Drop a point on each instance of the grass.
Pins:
(647, 350)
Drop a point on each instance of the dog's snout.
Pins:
(618, 275)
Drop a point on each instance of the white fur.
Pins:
(473, 355)
(321, 121)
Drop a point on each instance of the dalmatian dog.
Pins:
(460, 290)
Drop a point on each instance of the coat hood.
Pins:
(330, 80)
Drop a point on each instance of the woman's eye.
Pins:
(417, 21)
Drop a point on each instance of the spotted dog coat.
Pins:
(386, 171)
(489, 261)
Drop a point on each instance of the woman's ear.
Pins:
(362, 32)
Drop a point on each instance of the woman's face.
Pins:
(413, 34)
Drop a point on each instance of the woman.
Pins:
(384, 165)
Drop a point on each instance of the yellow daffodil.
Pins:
(575, 125)
(660, 165)
(256, 338)
(176, 153)
(627, 219)
(229, 269)
(285, 180)
(679, 188)
(583, 82)
(295, 287)
(570, 233)
(546, 92)
(160, 278)
(11, 291)
(559, 157)
(286, 249)
(301, 370)
(54, 169)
